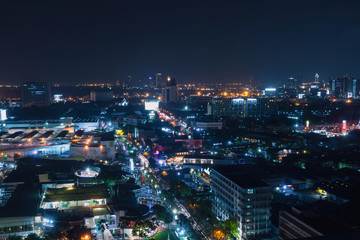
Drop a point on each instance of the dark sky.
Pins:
(198, 41)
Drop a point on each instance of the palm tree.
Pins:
(102, 225)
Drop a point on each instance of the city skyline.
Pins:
(179, 120)
(203, 41)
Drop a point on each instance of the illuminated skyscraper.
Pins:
(345, 87)
(354, 88)
(317, 78)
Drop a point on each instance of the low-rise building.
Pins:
(18, 215)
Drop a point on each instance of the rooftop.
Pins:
(28, 169)
(76, 193)
(240, 178)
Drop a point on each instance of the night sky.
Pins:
(198, 41)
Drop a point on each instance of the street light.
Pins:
(85, 237)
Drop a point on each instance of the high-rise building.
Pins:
(35, 93)
(346, 84)
(158, 80)
(243, 198)
(170, 92)
(291, 83)
(241, 107)
(345, 87)
(336, 87)
(354, 88)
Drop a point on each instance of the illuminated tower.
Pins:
(354, 87)
(317, 78)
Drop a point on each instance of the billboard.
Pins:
(58, 97)
(3, 114)
(152, 105)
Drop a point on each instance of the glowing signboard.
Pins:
(3, 114)
(152, 105)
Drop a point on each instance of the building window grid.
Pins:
(225, 187)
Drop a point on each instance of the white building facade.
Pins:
(245, 199)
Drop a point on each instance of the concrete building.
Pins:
(13, 151)
(97, 147)
(170, 92)
(297, 224)
(345, 87)
(200, 160)
(56, 125)
(21, 226)
(18, 216)
(77, 205)
(244, 198)
(209, 125)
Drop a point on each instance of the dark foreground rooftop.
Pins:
(23, 202)
(244, 180)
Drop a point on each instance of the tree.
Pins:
(185, 192)
(182, 219)
(131, 181)
(79, 233)
(168, 218)
(160, 212)
(102, 225)
(218, 234)
(56, 233)
(230, 227)
(33, 236)
(142, 227)
(14, 237)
